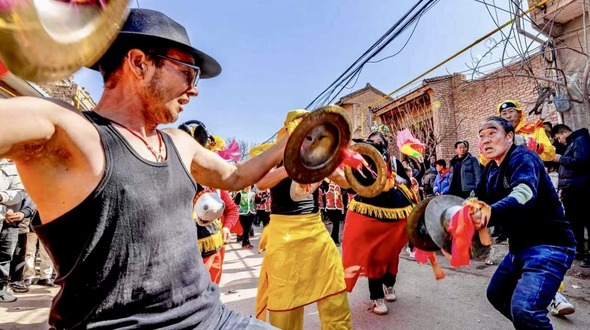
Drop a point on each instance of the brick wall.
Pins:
(475, 100)
(573, 64)
(460, 105)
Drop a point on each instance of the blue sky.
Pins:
(279, 55)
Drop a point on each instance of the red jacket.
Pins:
(231, 212)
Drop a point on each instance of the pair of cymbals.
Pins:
(428, 223)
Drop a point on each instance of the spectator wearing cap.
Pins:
(531, 134)
(465, 171)
(443, 177)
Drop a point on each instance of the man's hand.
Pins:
(557, 158)
(226, 234)
(12, 216)
(479, 220)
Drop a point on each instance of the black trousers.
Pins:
(8, 241)
(246, 221)
(335, 216)
(17, 265)
(574, 205)
(263, 217)
(376, 285)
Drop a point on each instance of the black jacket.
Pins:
(574, 169)
(470, 173)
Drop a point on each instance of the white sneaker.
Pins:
(379, 307)
(560, 306)
(389, 294)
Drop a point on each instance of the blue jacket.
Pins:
(529, 219)
(442, 183)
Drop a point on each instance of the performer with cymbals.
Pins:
(541, 244)
(115, 194)
(378, 225)
(301, 264)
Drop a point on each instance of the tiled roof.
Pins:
(368, 87)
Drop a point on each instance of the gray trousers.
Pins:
(232, 320)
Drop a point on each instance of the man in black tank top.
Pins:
(114, 193)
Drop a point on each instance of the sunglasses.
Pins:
(193, 76)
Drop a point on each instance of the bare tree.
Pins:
(418, 118)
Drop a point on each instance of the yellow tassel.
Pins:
(380, 212)
(213, 242)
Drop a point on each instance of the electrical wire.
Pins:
(406, 25)
(383, 41)
(541, 3)
(389, 31)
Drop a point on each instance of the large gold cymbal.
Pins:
(48, 40)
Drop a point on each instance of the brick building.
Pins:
(448, 108)
(359, 105)
(562, 21)
(67, 90)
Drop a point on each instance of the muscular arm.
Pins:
(28, 124)
(209, 169)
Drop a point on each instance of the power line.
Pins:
(383, 41)
(415, 18)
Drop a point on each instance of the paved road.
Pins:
(457, 302)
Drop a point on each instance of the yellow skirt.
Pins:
(301, 264)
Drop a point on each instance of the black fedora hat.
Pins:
(153, 28)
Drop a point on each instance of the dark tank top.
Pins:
(281, 202)
(127, 256)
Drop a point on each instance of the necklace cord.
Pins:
(157, 154)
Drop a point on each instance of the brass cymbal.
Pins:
(45, 41)
(316, 147)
